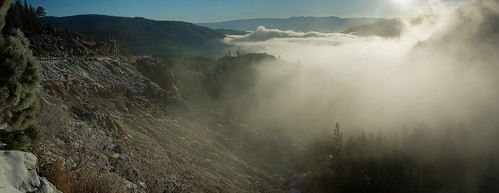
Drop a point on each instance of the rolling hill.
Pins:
(145, 36)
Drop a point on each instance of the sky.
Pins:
(197, 11)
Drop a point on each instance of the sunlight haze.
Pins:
(221, 10)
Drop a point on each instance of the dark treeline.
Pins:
(25, 17)
(412, 161)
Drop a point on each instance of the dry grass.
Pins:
(53, 117)
(69, 169)
(156, 153)
(89, 181)
(60, 177)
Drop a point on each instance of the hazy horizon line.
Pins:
(220, 21)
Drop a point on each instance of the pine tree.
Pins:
(40, 11)
(13, 18)
(20, 78)
(4, 8)
(24, 17)
(337, 150)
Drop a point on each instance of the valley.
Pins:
(112, 104)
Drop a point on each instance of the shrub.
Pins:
(88, 181)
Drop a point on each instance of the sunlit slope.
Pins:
(155, 136)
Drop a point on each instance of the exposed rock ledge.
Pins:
(18, 174)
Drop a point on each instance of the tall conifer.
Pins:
(20, 78)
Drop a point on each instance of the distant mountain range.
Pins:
(146, 36)
(303, 24)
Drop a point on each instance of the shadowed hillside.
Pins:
(392, 28)
(146, 36)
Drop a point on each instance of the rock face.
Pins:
(18, 174)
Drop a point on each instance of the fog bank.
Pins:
(437, 74)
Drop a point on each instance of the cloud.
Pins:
(263, 34)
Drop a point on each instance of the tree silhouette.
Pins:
(40, 11)
(23, 17)
(337, 151)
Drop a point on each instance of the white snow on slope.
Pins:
(18, 174)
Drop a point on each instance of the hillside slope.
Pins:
(134, 124)
(389, 28)
(146, 36)
(392, 28)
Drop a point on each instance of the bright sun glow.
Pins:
(402, 2)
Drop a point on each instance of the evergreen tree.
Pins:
(337, 151)
(35, 22)
(40, 11)
(4, 8)
(25, 14)
(24, 17)
(20, 78)
(13, 18)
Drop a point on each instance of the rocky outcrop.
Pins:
(18, 174)
(159, 73)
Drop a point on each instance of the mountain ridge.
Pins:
(296, 23)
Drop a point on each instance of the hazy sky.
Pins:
(223, 10)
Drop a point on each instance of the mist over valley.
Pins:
(298, 104)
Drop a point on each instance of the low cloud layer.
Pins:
(438, 76)
(263, 34)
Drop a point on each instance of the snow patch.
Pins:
(18, 174)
